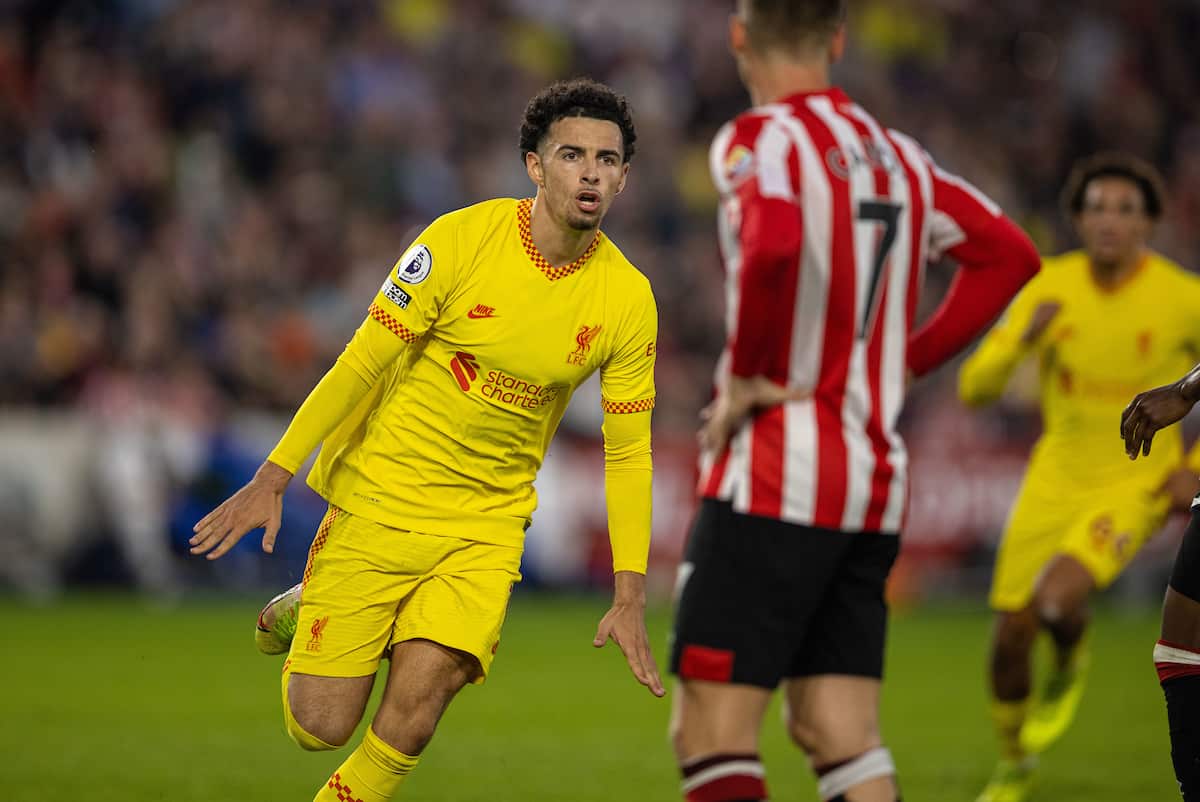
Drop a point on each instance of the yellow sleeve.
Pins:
(373, 347)
(985, 373)
(627, 376)
(406, 306)
(627, 398)
(628, 473)
(418, 286)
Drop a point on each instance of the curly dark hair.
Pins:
(579, 97)
(1114, 165)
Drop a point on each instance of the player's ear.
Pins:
(738, 37)
(624, 176)
(837, 46)
(1146, 225)
(533, 166)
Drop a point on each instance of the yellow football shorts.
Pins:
(368, 587)
(1103, 529)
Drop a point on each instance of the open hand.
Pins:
(733, 405)
(625, 625)
(259, 504)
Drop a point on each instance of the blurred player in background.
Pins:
(1177, 653)
(826, 223)
(434, 422)
(1102, 323)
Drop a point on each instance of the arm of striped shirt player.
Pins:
(995, 259)
(378, 342)
(628, 474)
(771, 237)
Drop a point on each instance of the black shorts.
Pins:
(762, 600)
(1185, 576)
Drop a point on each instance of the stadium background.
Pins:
(198, 198)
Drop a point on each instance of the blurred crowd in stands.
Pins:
(198, 199)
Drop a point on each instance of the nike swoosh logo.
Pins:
(476, 316)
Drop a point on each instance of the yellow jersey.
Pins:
(1102, 348)
(472, 349)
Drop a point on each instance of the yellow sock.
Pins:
(372, 773)
(1008, 718)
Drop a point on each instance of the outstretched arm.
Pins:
(405, 307)
(1157, 409)
(260, 502)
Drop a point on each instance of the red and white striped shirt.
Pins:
(826, 224)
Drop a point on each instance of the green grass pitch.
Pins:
(105, 701)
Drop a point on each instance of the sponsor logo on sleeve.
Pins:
(414, 265)
(394, 293)
(739, 164)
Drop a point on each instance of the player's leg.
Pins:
(1061, 606)
(1177, 658)
(321, 713)
(1094, 551)
(444, 636)
(832, 694)
(1031, 539)
(835, 720)
(352, 589)
(714, 729)
(1011, 676)
(1061, 603)
(423, 678)
(747, 590)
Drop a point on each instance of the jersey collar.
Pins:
(525, 226)
(834, 93)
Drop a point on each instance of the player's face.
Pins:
(579, 170)
(1113, 223)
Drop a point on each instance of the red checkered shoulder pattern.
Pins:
(381, 315)
(524, 225)
(627, 407)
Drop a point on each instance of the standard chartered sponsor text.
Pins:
(500, 386)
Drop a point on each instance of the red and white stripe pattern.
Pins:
(1174, 661)
(724, 778)
(833, 460)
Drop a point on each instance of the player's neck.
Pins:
(1110, 275)
(558, 243)
(774, 78)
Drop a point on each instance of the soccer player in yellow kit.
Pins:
(1104, 323)
(434, 422)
